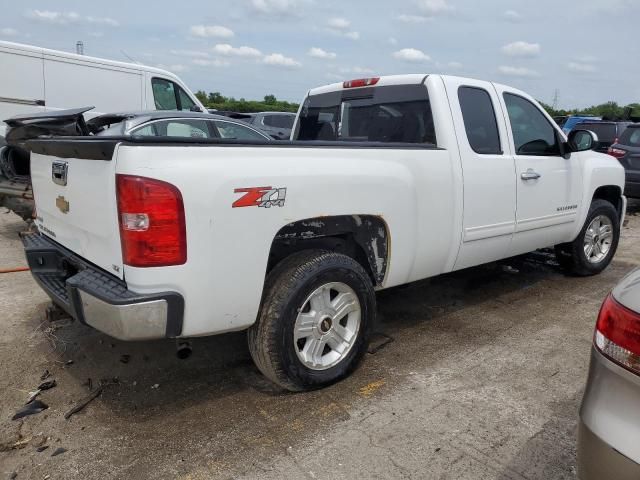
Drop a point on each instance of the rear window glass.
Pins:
(377, 114)
(279, 121)
(631, 137)
(606, 132)
(479, 120)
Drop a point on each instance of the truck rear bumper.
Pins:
(99, 299)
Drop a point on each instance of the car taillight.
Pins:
(361, 82)
(618, 334)
(616, 152)
(152, 225)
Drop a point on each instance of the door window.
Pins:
(187, 128)
(279, 121)
(237, 132)
(164, 94)
(533, 134)
(479, 120)
(185, 101)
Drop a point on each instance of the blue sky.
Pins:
(587, 50)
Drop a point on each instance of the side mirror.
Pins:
(582, 140)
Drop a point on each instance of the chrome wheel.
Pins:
(598, 239)
(327, 326)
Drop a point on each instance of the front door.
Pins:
(549, 186)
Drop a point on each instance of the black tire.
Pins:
(571, 256)
(271, 338)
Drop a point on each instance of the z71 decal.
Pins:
(260, 197)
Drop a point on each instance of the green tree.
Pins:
(270, 99)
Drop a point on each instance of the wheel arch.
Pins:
(612, 194)
(362, 237)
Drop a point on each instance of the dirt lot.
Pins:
(482, 380)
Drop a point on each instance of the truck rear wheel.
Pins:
(596, 244)
(315, 319)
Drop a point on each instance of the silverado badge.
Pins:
(62, 204)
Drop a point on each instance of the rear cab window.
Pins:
(480, 121)
(630, 137)
(387, 114)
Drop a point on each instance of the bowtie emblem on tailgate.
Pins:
(59, 173)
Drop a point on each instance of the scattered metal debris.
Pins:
(32, 396)
(58, 451)
(47, 385)
(42, 448)
(32, 408)
(69, 362)
(156, 385)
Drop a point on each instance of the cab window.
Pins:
(479, 120)
(168, 95)
(533, 134)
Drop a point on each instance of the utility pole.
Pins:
(556, 94)
(80, 47)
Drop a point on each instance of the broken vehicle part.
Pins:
(32, 408)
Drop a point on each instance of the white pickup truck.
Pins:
(385, 181)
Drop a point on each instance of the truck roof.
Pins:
(84, 58)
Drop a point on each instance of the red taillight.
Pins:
(361, 82)
(618, 334)
(616, 152)
(152, 226)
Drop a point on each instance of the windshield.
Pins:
(606, 132)
(379, 114)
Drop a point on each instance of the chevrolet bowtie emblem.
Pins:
(62, 204)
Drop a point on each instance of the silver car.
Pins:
(609, 431)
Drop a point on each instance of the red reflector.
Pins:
(616, 152)
(618, 334)
(361, 82)
(152, 226)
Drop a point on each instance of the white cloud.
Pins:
(578, 67)
(521, 49)
(278, 7)
(412, 18)
(517, 71)
(412, 55)
(216, 62)
(109, 22)
(357, 70)
(279, 60)
(512, 16)
(211, 31)
(189, 53)
(66, 18)
(434, 8)
(230, 51)
(8, 32)
(316, 52)
(339, 23)
(341, 26)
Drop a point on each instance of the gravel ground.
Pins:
(481, 378)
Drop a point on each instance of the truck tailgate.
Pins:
(76, 201)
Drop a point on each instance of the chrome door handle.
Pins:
(530, 175)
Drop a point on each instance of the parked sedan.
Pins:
(627, 151)
(276, 124)
(174, 124)
(609, 430)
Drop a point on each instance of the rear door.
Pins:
(488, 171)
(76, 201)
(549, 186)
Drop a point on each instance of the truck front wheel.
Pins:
(592, 251)
(313, 328)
